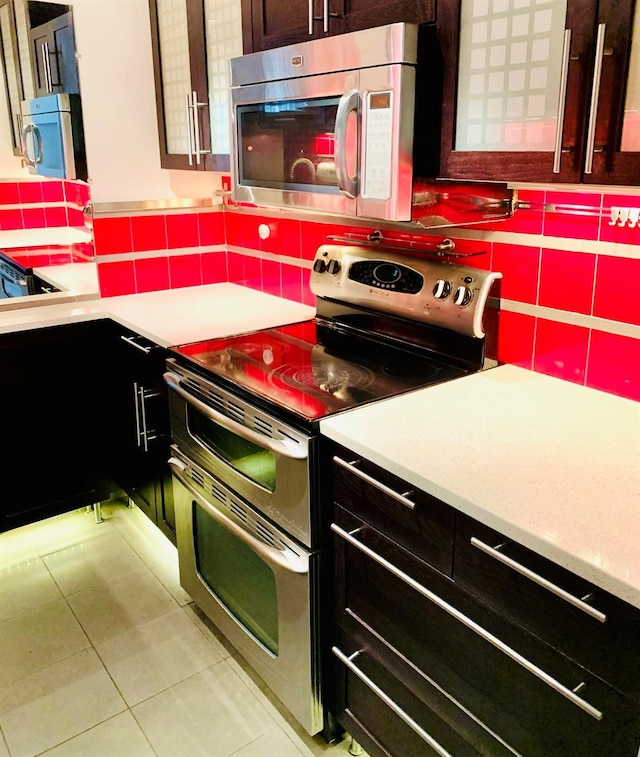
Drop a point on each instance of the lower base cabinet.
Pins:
(139, 434)
(52, 401)
(423, 664)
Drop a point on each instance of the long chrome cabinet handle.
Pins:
(277, 446)
(131, 341)
(47, 67)
(595, 94)
(348, 661)
(190, 127)
(136, 397)
(472, 625)
(349, 102)
(401, 498)
(310, 17)
(570, 598)
(325, 16)
(562, 100)
(284, 558)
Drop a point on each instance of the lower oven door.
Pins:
(258, 456)
(256, 584)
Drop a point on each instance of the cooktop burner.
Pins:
(314, 371)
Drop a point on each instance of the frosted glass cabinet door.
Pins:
(535, 90)
(223, 23)
(177, 28)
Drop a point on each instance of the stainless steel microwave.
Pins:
(328, 124)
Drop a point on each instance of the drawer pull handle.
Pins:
(471, 624)
(403, 499)
(348, 662)
(570, 598)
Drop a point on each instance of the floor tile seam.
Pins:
(86, 730)
(206, 632)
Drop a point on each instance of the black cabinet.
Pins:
(138, 426)
(53, 51)
(52, 400)
(271, 23)
(471, 660)
(542, 94)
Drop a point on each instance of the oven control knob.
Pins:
(333, 266)
(319, 266)
(463, 296)
(441, 289)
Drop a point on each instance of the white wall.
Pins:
(113, 40)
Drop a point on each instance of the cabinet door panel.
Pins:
(51, 422)
(502, 101)
(274, 23)
(616, 155)
(586, 639)
(361, 14)
(508, 697)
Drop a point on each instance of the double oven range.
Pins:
(245, 415)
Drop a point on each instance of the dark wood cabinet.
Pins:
(190, 52)
(467, 662)
(517, 108)
(269, 23)
(138, 426)
(53, 51)
(50, 384)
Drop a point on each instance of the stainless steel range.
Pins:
(245, 412)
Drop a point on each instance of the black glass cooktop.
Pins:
(313, 370)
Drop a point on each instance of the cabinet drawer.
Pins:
(388, 706)
(531, 696)
(419, 522)
(599, 631)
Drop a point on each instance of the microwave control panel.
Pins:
(378, 141)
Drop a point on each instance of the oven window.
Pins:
(253, 461)
(240, 579)
(288, 144)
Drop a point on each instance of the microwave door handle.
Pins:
(278, 446)
(284, 558)
(349, 102)
(39, 153)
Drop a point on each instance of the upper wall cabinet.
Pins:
(53, 51)
(273, 23)
(192, 42)
(545, 91)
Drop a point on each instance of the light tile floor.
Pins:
(102, 654)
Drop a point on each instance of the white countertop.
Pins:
(551, 464)
(170, 317)
(44, 236)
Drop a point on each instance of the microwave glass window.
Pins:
(288, 144)
(240, 579)
(254, 462)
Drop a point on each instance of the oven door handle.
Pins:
(282, 447)
(283, 558)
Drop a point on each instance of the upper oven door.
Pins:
(256, 455)
(334, 142)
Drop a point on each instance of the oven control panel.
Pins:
(447, 295)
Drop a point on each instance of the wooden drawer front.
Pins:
(391, 708)
(538, 595)
(517, 686)
(420, 523)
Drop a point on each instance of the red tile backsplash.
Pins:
(519, 266)
(607, 371)
(149, 232)
(566, 280)
(561, 350)
(112, 235)
(30, 191)
(540, 272)
(615, 295)
(152, 274)
(9, 193)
